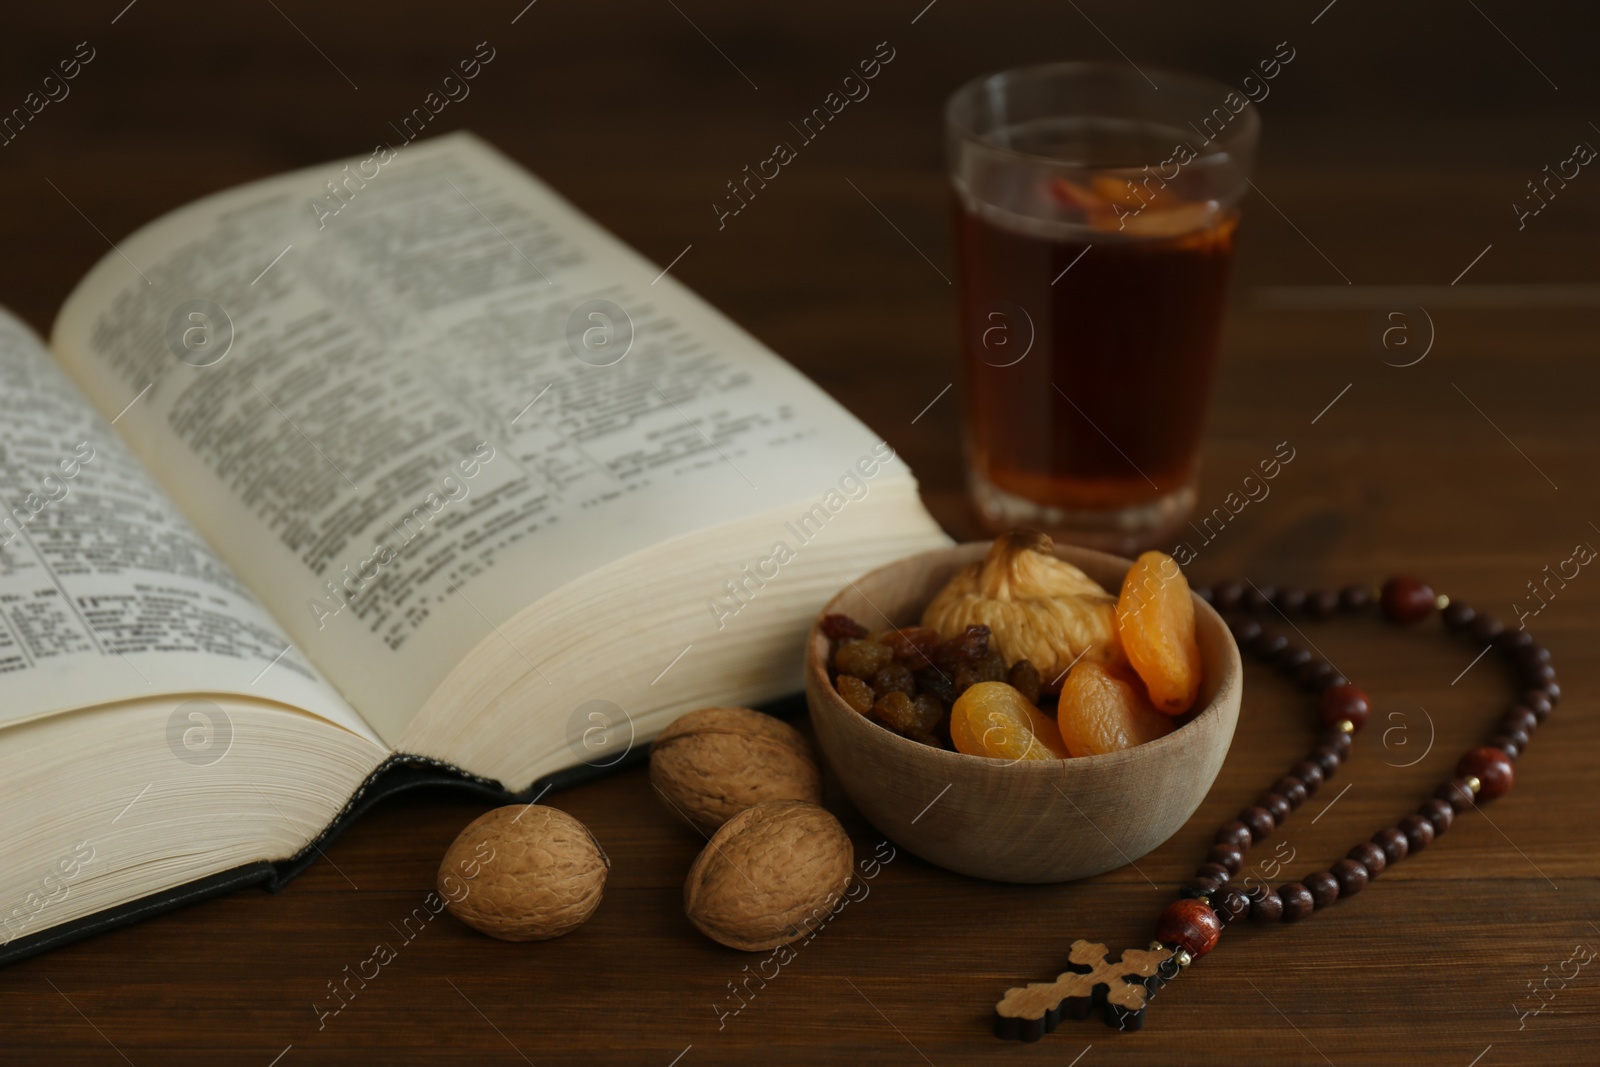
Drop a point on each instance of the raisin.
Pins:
(966, 678)
(969, 647)
(931, 740)
(896, 711)
(856, 693)
(991, 668)
(913, 645)
(931, 714)
(895, 678)
(1024, 678)
(842, 627)
(861, 658)
(937, 683)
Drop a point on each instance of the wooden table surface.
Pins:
(1395, 144)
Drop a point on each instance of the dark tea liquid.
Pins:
(1105, 409)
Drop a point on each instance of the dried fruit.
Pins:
(895, 678)
(861, 658)
(1103, 709)
(772, 874)
(913, 645)
(993, 719)
(1155, 617)
(1024, 678)
(842, 627)
(896, 711)
(856, 693)
(524, 872)
(965, 648)
(711, 764)
(939, 684)
(1037, 607)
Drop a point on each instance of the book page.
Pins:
(106, 592)
(406, 395)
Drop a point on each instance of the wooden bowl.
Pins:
(1049, 821)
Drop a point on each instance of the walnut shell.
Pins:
(711, 764)
(524, 872)
(770, 876)
(1037, 607)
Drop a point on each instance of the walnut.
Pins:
(771, 875)
(711, 764)
(1037, 607)
(524, 872)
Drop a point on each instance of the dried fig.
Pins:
(1037, 607)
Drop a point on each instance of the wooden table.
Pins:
(1396, 142)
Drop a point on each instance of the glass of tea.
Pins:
(1095, 208)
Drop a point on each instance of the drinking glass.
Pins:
(1095, 209)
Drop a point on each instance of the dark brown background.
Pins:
(1396, 141)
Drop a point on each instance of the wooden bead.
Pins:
(1337, 740)
(1324, 888)
(1315, 676)
(1234, 833)
(1553, 691)
(1327, 757)
(1215, 872)
(1230, 904)
(1310, 775)
(1356, 597)
(1294, 657)
(1541, 675)
(1456, 792)
(1265, 905)
(1352, 876)
(1538, 702)
(1189, 925)
(1418, 831)
(1195, 888)
(1228, 596)
(1230, 856)
(1259, 597)
(1245, 631)
(1277, 804)
(1291, 600)
(1406, 599)
(1532, 654)
(1322, 604)
(1291, 789)
(1519, 718)
(1492, 768)
(1297, 901)
(1439, 812)
(1370, 856)
(1344, 702)
(1486, 628)
(1394, 843)
(1506, 744)
(1271, 645)
(1260, 822)
(1513, 640)
(1458, 616)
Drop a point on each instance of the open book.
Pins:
(391, 466)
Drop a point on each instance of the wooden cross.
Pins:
(1122, 989)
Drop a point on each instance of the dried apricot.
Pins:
(993, 719)
(1155, 618)
(1103, 709)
